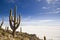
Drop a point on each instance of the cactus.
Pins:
(20, 29)
(44, 37)
(6, 28)
(13, 21)
(2, 23)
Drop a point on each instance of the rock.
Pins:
(25, 38)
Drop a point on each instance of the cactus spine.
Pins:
(14, 22)
(1, 23)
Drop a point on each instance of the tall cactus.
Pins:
(44, 37)
(2, 23)
(14, 22)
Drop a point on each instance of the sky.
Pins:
(40, 17)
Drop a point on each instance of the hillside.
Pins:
(7, 35)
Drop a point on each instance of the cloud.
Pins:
(45, 7)
(56, 11)
(52, 1)
(53, 12)
(38, 0)
(11, 1)
(27, 18)
(49, 1)
(37, 22)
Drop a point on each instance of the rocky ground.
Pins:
(6, 35)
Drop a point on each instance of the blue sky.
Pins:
(42, 9)
(40, 16)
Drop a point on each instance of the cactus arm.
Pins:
(2, 22)
(11, 25)
(11, 19)
(18, 22)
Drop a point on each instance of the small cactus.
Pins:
(20, 29)
(2, 23)
(13, 21)
(44, 37)
(6, 28)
